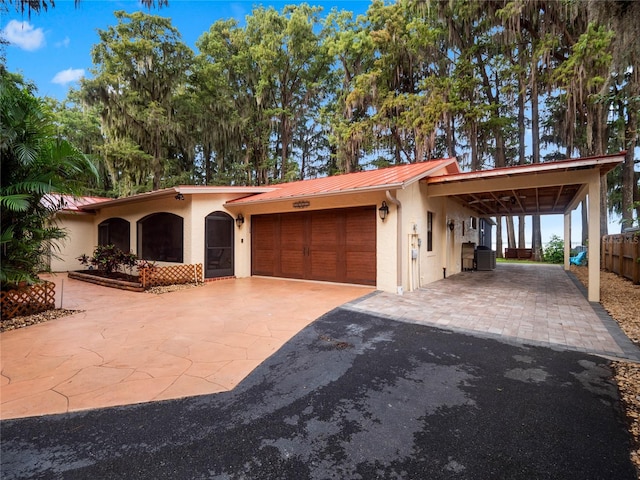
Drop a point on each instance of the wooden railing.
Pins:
(27, 300)
(621, 255)
(171, 275)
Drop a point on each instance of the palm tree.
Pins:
(33, 163)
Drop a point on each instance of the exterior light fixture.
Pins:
(179, 196)
(383, 211)
(451, 225)
(239, 220)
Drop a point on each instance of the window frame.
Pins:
(146, 251)
(430, 216)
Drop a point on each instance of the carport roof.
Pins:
(390, 178)
(535, 189)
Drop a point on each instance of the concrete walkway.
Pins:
(536, 304)
(127, 347)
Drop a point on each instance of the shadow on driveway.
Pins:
(354, 396)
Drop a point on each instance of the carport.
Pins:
(537, 189)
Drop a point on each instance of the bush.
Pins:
(554, 252)
(109, 259)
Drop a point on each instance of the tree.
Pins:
(43, 5)
(34, 163)
(79, 124)
(139, 65)
(351, 47)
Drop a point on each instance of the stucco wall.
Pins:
(80, 240)
(83, 230)
(385, 231)
(404, 230)
(425, 266)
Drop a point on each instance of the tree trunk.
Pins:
(536, 233)
(604, 210)
(522, 157)
(629, 185)
(585, 222)
(511, 233)
(536, 243)
(499, 249)
(522, 243)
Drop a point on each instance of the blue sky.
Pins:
(53, 48)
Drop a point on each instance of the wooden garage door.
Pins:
(330, 245)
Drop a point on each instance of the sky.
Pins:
(53, 48)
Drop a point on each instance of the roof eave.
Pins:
(372, 188)
(606, 163)
(376, 188)
(172, 191)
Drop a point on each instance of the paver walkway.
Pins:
(128, 347)
(526, 303)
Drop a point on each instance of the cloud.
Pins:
(23, 35)
(68, 76)
(64, 43)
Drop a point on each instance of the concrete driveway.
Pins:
(354, 396)
(127, 347)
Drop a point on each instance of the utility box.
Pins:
(468, 256)
(485, 258)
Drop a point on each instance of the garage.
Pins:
(329, 245)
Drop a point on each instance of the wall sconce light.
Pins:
(239, 220)
(179, 196)
(451, 225)
(383, 211)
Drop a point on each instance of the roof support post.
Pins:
(567, 240)
(594, 237)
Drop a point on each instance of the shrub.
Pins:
(109, 259)
(554, 251)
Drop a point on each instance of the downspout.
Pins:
(397, 203)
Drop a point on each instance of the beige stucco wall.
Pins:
(79, 240)
(385, 235)
(83, 230)
(427, 266)
(404, 230)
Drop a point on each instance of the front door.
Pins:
(218, 245)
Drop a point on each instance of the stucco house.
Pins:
(396, 228)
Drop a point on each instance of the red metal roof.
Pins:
(69, 203)
(604, 162)
(381, 179)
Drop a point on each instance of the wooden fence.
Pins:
(27, 300)
(621, 255)
(174, 274)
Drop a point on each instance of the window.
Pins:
(160, 237)
(115, 231)
(429, 231)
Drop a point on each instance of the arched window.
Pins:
(160, 237)
(115, 231)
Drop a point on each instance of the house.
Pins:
(395, 228)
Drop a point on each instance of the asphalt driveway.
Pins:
(355, 396)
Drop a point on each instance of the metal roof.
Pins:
(172, 191)
(69, 203)
(535, 189)
(393, 178)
